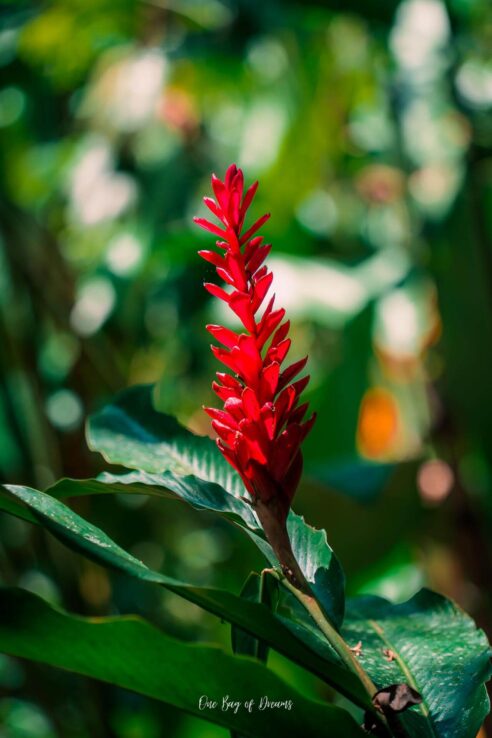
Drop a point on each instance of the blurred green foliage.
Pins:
(369, 126)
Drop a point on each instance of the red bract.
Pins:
(261, 425)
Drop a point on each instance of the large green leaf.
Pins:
(132, 653)
(199, 493)
(252, 618)
(130, 432)
(311, 547)
(426, 642)
(437, 649)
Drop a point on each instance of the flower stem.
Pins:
(333, 637)
(273, 520)
(272, 516)
(273, 523)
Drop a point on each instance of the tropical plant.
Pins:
(415, 669)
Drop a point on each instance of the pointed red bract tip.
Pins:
(261, 426)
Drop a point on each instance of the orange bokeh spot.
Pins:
(378, 423)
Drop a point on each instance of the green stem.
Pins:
(273, 521)
(333, 637)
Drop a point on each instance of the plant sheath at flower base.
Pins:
(262, 423)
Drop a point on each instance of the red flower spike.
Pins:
(217, 291)
(224, 335)
(260, 428)
(212, 257)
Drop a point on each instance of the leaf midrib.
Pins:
(423, 707)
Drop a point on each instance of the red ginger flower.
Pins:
(260, 428)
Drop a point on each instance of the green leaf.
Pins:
(130, 432)
(253, 618)
(10, 505)
(296, 618)
(261, 588)
(200, 493)
(311, 547)
(319, 565)
(131, 653)
(435, 648)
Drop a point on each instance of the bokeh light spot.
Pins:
(318, 213)
(124, 254)
(12, 104)
(435, 481)
(378, 423)
(64, 409)
(94, 304)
